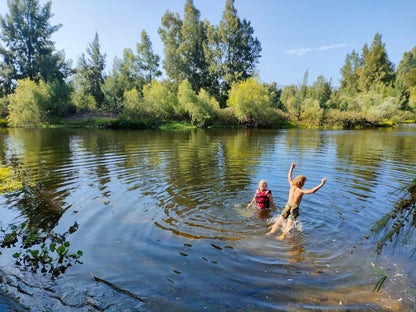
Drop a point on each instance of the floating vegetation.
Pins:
(47, 252)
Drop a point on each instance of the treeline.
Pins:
(210, 78)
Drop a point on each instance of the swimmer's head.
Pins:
(299, 181)
(262, 185)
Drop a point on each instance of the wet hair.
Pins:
(299, 181)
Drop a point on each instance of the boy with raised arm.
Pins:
(291, 211)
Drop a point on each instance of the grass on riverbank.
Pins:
(105, 122)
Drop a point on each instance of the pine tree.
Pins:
(91, 68)
(349, 81)
(376, 67)
(148, 61)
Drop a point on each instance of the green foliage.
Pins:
(133, 105)
(48, 252)
(27, 103)
(29, 50)
(4, 106)
(171, 35)
(291, 100)
(400, 223)
(159, 102)
(311, 112)
(184, 47)
(336, 118)
(187, 99)
(321, 91)
(148, 61)
(90, 73)
(406, 69)
(235, 50)
(376, 67)
(349, 72)
(35, 103)
(251, 102)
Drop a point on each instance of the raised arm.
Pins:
(311, 191)
(289, 175)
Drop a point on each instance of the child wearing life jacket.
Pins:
(263, 197)
(291, 211)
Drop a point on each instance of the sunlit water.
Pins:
(163, 224)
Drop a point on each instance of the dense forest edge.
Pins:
(209, 80)
(206, 78)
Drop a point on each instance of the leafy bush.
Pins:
(343, 119)
(159, 101)
(311, 112)
(28, 103)
(133, 105)
(251, 102)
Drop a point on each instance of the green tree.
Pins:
(290, 100)
(191, 51)
(251, 102)
(321, 91)
(148, 61)
(275, 94)
(125, 76)
(90, 70)
(237, 50)
(171, 35)
(349, 72)
(133, 105)
(159, 100)
(128, 72)
(406, 70)
(184, 43)
(187, 99)
(376, 67)
(29, 51)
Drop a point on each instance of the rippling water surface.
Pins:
(163, 225)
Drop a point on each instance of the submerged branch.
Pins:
(115, 287)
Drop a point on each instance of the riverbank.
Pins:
(110, 121)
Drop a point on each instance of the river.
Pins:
(160, 218)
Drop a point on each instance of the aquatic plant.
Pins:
(48, 252)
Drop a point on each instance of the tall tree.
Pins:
(321, 91)
(148, 61)
(376, 66)
(238, 50)
(191, 50)
(90, 69)
(349, 72)
(406, 69)
(184, 47)
(28, 50)
(171, 35)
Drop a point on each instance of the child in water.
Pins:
(291, 211)
(263, 196)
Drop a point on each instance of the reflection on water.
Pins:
(163, 225)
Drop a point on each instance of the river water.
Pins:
(161, 220)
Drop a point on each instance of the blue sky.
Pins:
(296, 36)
